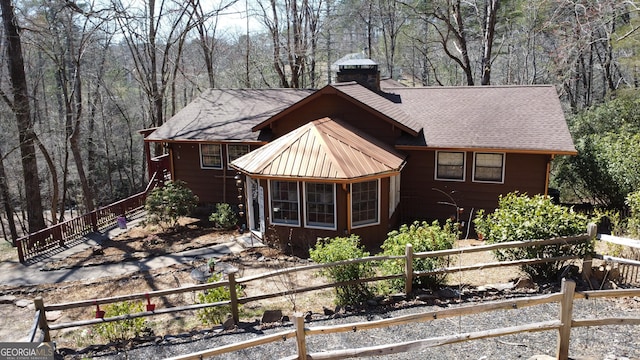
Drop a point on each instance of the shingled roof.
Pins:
(385, 106)
(500, 118)
(226, 114)
(516, 118)
(324, 149)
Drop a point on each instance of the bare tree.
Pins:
(491, 14)
(206, 25)
(293, 28)
(150, 35)
(22, 110)
(392, 20)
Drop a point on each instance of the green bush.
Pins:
(330, 250)
(522, 218)
(224, 217)
(123, 329)
(217, 314)
(605, 170)
(633, 222)
(423, 237)
(165, 205)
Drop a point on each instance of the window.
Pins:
(234, 151)
(284, 203)
(320, 205)
(450, 165)
(488, 167)
(364, 203)
(211, 156)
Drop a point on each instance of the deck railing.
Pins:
(64, 234)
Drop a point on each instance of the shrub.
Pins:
(224, 217)
(330, 250)
(423, 237)
(216, 314)
(521, 218)
(165, 205)
(633, 222)
(123, 329)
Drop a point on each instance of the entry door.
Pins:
(256, 207)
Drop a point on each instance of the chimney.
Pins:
(363, 71)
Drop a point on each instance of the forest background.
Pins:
(81, 78)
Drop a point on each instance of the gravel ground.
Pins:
(609, 343)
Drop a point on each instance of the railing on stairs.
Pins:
(65, 234)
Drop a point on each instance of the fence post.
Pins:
(408, 269)
(42, 321)
(233, 297)
(20, 244)
(301, 342)
(592, 230)
(566, 314)
(94, 220)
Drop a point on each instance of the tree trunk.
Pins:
(489, 32)
(5, 196)
(22, 111)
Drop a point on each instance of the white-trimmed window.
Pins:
(284, 203)
(234, 151)
(211, 156)
(488, 167)
(365, 203)
(450, 165)
(394, 194)
(320, 203)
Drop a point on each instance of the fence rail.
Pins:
(628, 269)
(563, 325)
(236, 301)
(66, 233)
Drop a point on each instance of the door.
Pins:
(256, 207)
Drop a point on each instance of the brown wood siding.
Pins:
(525, 173)
(336, 107)
(210, 185)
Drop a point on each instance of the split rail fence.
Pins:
(563, 325)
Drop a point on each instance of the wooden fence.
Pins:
(562, 325)
(66, 233)
(236, 301)
(628, 270)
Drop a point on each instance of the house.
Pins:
(353, 157)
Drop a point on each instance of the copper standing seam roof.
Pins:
(324, 149)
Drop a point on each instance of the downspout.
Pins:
(171, 166)
(346, 189)
(224, 182)
(546, 181)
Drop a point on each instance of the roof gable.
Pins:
(360, 96)
(324, 149)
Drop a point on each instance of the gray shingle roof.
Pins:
(515, 118)
(384, 105)
(227, 114)
(522, 118)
